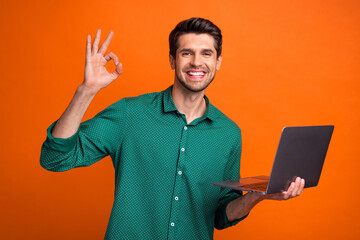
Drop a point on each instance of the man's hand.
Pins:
(241, 206)
(96, 76)
(294, 190)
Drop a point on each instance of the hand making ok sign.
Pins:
(96, 75)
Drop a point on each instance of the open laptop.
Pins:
(301, 153)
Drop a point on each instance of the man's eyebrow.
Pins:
(186, 50)
(190, 50)
(207, 50)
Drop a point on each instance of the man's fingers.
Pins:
(88, 46)
(95, 46)
(112, 56)
(106, 43)
(118, 70)
(116, 73)
(296, 187)
(289, 191)
(302, 185)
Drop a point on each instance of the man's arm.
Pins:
(241, 206)
(70, 144)
(96, 77)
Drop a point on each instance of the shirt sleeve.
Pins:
(226, 194)
(95, 139)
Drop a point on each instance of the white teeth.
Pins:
(196, 73)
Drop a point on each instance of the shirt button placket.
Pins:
(176, 211)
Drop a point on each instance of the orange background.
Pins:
(285, 63)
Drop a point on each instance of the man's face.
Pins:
(196, 62)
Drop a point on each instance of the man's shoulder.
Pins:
(224, 120)
(134, 102)
(144, 98)
(140, 104)
(144, 101)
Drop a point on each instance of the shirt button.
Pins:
(179, 172)
(185, 127)
(176, 198)
(172, 224)
(182, 149)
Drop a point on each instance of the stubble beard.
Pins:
(189, 87)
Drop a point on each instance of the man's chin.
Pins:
(195, 88)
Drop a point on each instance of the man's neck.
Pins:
(192, 104)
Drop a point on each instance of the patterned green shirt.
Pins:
(163, 166)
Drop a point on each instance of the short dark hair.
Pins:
(197, 26)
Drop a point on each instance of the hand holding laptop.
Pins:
(300, 155)
(241, 206)
(295, 189)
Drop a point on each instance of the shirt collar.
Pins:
(169, 106)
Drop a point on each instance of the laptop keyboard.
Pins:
(261, 186)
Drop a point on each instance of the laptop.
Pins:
(301, 153)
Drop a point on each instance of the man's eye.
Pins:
(207, 54)
(186, 54)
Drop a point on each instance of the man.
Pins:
(166, 147)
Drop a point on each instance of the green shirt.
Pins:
(163, 166)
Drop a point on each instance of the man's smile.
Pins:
(196, 61)
(196, 74)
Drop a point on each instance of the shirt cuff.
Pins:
(227, 223)
(60, 144)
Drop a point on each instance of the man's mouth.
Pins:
(196, 74)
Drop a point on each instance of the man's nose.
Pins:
(196, 60)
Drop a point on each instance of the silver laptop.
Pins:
(301, 153)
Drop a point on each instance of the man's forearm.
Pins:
(96, 77)
(241, 206)
(70, 120)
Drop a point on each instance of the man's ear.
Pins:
(172, 61)
(218, 62)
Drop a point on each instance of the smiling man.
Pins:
(166, 147)
(195, 63)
